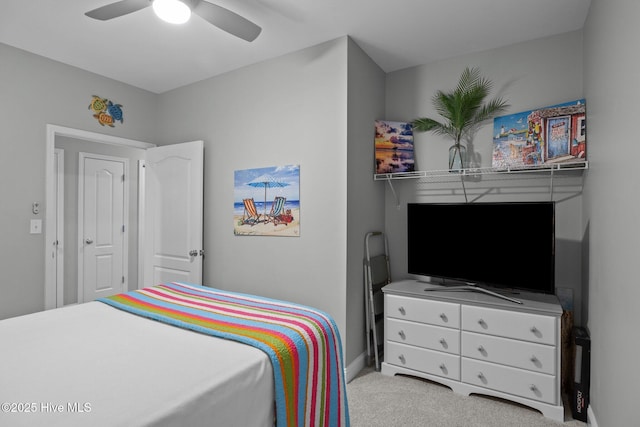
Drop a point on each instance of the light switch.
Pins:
(36, 226)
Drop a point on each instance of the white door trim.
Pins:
(52, 131)
(142, 185)
(57, 247)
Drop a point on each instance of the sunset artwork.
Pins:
(394, 147)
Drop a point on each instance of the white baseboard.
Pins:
(355, 367)
(591, 417)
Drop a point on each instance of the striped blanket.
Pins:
(303, 343)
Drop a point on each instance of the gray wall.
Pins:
(37, 91)
(612, 208)
(529, 75)
(290, 110)
(365, 197)
(315, 108)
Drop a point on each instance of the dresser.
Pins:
(473, 342)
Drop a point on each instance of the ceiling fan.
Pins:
(217, 15)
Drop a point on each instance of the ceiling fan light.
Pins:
(172, 11)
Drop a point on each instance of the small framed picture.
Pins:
(394, 147)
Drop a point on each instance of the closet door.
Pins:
(102, 226)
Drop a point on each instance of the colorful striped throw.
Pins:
(303, 343)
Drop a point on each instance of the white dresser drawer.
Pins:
(423, 335)
(423, 360)
(519, 354)
(530, 385)
(421, 310)
(510, 324)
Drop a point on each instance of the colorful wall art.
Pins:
(394, 147)
(105, 111)
(267, 201)
(555, 134)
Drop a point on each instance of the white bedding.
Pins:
(125, 370)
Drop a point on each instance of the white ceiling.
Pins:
(145, 52)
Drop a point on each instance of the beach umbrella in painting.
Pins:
(266, 181)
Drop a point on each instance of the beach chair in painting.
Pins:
(250, 215)
(277, 210)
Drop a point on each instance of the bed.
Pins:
(174, 354)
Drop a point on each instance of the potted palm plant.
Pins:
(463, 109)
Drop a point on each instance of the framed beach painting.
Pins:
(267, 201)
(555, 134)
(394, 147)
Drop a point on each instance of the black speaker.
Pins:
(580, 401)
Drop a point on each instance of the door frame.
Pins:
(57, 248)
(125, 219)
(51, 291)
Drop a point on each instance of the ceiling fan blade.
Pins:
(116, 9)
(228, 21)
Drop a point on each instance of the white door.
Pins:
(102, 226)
(173, 214)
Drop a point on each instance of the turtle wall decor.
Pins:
(105, 111)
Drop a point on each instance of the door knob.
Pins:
(88, 241)
(193, 252)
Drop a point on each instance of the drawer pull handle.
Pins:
(482, 350)
(482, 378)
(443, 317)
(534, 330)
(533, 388)
(402, 359)
(401, 310)
(482, 323)
(443, 367)
(402, 335)
(443, 341)
(534, 359)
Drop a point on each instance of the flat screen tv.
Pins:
(505, 245)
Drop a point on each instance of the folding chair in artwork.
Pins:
(277, 209)
(377, 274)
(250, 215)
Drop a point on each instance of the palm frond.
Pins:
(492, 109)
(464, 108)
(468, 79)
(445, 105)
(425, 124)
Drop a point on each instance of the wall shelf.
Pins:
(477, 174)
(474, 172)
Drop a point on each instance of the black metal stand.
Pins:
(474, 288)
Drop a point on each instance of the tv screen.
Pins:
(508, 245)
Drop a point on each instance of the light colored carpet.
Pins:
(376, 400)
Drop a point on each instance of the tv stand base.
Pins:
(473, 289)
(554, 412)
